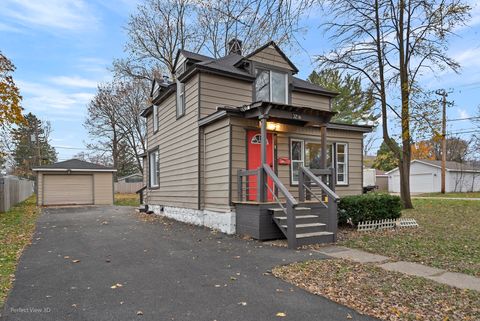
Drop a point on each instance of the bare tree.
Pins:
(115, 125)
(131, 100)
(255, 22)
(155, 32)
(391, 44)
(160, 27)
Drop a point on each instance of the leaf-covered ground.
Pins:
(16, 230)
(127, 200)
(382, 294)
(448, 236)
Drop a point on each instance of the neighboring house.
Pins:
(210, 131)
(74, 182)
(426, 177)
(133, 178)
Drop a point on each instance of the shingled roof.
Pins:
(230, 64)
(73, 165)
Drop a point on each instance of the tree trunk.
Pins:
(404, 163)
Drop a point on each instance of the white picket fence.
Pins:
(387, 223)
(13, 190)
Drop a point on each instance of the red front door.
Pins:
(254, 161)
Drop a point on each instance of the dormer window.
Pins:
(271, 85)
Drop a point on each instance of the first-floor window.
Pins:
(309, 154)
(341, 160)
(153, 168)
(297, 158)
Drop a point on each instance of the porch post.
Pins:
(323, 161)
(262, 190)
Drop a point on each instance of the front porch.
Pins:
(265, 207)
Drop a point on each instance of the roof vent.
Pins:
(235, 46)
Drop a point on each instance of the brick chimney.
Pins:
(235, 46)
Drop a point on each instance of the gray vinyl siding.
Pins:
(177, 142)
(270, 56)
(218, 90)
(310, 100)
(215, 166)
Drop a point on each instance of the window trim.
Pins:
(155, 118)
(345, 182)
(177, 95)
(292, 181)
(334, 159)
(150, 153)
(270, 91)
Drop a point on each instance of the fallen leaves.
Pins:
(117, 285)
(383, 294)
(76, 261)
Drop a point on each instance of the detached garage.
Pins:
(74, 182)
(425, 177)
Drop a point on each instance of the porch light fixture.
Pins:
(272, 126)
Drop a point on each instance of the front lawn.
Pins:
(462, 195)
(126, 200)
(16, 230)
(448, 236)
(383, 294)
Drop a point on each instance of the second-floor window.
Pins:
(271, 85)
(180, 99)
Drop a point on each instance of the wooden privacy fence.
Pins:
(127, 188)
(13, 190)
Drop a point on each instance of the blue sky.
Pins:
(62, 49)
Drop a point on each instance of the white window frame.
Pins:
(344, 164)
(153, 171)
(335, 162)
(180, 99)
(270, 84)
(155, 118)
(302, 161)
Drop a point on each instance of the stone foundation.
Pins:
(222, 221)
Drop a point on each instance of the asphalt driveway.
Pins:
(160, 270)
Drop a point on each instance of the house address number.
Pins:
(296, 116)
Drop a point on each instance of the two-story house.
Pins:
(240, 144)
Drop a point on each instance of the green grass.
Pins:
(127, 200)
(16, 230)
(448, 236)
(464, 195)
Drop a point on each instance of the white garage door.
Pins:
(67, 189)
(421, 183)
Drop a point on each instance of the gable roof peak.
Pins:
(273, 44)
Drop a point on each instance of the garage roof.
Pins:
(74, 165)
(450, 166)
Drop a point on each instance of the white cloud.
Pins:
(58, 14)
(40, 97)
(468, 58)
(73, 81)
(463, 113)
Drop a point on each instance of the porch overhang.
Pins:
(305, 115)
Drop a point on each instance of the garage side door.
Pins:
(67, 189)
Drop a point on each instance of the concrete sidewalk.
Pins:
(459, 280)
